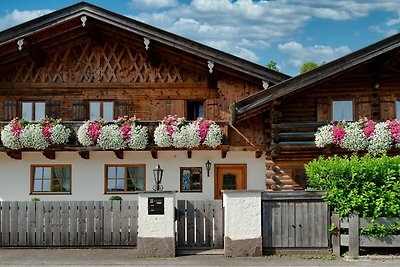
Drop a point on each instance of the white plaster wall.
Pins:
(88, 175)
(242, 214)
(158, 226)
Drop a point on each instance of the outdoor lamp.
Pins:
(158, 173)
(208, 168)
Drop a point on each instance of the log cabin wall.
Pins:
(373, 88)
(149, 83)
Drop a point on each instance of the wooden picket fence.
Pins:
(200, 224)
(68, 223)
(354, 240)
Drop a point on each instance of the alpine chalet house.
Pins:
(365, 83)
(83, 63)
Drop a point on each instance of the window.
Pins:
(342, 110)
(191, 179)
(51, 179)
(397, 109)
(33, 110)
(101, 109)
(125, 178)
(194, 110)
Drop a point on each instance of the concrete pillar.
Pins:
(242, 223)
(156, 232)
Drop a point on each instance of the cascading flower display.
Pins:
(119, 134)
(177, 132)
(20, 133)
(363, 134)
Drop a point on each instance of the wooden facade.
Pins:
(70, 61)
(295, 108)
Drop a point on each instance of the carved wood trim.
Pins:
(84, 154)
(50, 154)
(15, 154)
(154, 154)
(119, 154)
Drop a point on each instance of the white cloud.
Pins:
(20, 16)
(299, 54)
(151, 4)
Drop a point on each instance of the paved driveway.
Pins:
(128, 257)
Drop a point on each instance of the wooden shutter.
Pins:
(53, 108)
(79, 110)
(10, 109)
(324, 110)
(121, 108)
(363, 107)
(387, 107)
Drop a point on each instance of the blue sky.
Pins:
(289, 32)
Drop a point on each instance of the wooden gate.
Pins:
(200, 224)
(68, 223)
(295, 220)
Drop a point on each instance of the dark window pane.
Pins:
(186, 180)
(229, 182)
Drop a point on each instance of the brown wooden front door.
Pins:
(229, 177)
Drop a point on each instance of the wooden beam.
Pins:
(224, 153)
(189, 154)
(50, 154)
(84, 154)
(119, 154)
(15, 154)
(154, 154)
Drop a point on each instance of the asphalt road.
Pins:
(128, 257)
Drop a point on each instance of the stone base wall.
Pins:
(150, 247)
(243, 248)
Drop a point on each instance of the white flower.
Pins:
(188, 136)
(32, 137)
(214, 136)
(9, 139)
(380, 141)
(323, 136)
(59, 134)
(138, 137)
(161, 137)
(354, 139)
(111, 138)
(83, 136)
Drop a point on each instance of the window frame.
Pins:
(187, 108)
(32, 179)
(106, 192)
(191, 171)
(353, 108)
(101, 108)
(33, 102)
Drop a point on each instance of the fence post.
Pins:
(354, 234)
(242, 221)
(156, 224)
(336, 234)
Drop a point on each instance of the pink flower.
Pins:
(394, 130)
(338, 134)
(93, 131)
(170, 130)
(17, 129)
(46, 132)
(369, 128)
(126, 130)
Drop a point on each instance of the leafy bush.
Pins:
(366, 185)
(115, 198)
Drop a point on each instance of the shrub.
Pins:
(366, 185)
(115, 198)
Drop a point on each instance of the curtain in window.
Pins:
(62, 174)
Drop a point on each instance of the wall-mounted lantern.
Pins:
(208, 168)
(158, 174)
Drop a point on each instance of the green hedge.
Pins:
(367, 185)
